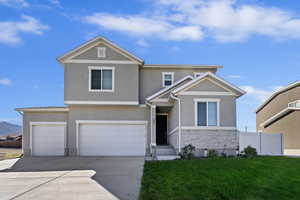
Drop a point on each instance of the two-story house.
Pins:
(280, 114)
(116, 105)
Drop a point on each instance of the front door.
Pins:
(161, 129)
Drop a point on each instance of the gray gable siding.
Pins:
(151, 79)
(207, 85)
(111, 54)
(166, 95)
(77, 83)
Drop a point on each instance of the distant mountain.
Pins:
(9, 129)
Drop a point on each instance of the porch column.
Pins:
(153, 124)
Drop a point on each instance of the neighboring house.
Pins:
(118, 106)
(280, 114)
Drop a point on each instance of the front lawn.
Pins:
(222, 178)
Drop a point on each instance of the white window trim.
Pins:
(101, 68)
(163, 78)
(99, 49)
(196, 101)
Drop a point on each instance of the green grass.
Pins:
(260, 178)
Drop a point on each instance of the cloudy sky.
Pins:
(257, 42)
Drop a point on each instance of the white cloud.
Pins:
(259, 94)
(223, 20)
(186, 33)
(14, 3)
(10, 31)
(142, 43)
(230, 22)
(145, 27)
(5, 81)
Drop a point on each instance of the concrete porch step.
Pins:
(164, 147)
(165, 150)
(167, 157)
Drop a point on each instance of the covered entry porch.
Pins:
(161, 122)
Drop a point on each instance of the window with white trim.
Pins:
(101, 52)
(101, 79)
(168, 78)
(207, 112)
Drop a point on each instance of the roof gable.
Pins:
(293, 85)
(94, 43)
(212, 77)
(110, 54)
(163, 92)
(208, 84)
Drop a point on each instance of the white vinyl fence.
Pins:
(265, 144)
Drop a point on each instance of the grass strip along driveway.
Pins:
(222, 178)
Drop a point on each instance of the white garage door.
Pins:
(48, 139)
(112, 139)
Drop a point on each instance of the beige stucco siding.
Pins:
(126, 83)
(114, 113)
(151, 79)
(111, 54)
(38, 117)
(227, 110)
(288, 125)
(277, 104)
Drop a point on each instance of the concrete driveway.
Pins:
(71, 178)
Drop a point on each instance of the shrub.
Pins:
(188, 152)
(249, 152)
(212, 153)
(223, 154)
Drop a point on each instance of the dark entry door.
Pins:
(161, 129)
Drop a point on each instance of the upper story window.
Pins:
(101, 52)
(197, 74)
(101, 79)
(168, 78)
(207, 112)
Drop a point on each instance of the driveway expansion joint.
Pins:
(40, 185)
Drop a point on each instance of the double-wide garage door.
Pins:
(111, 138)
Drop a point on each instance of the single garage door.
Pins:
(48, 139)
(112, 139)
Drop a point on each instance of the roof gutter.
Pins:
(20, 112)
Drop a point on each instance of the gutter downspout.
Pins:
(179, 121)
